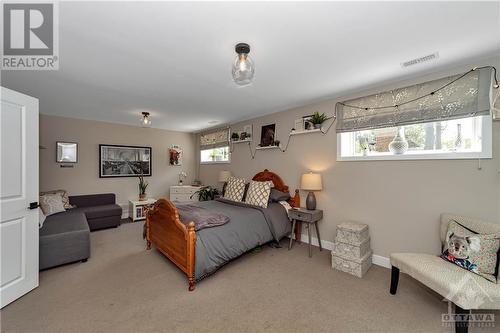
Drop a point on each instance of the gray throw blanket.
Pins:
(202, 217)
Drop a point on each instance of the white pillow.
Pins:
(51, 203)
(258, 193)
(235, 189)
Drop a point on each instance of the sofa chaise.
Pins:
(65, 236)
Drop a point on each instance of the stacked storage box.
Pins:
(351, 249)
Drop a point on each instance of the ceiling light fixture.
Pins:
(145, 120)
(243, 67)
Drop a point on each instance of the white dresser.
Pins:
(183, 193)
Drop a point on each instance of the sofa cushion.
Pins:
(68, 221)
(90, 200)
(465, 289)
(96, 212)
(51, 203)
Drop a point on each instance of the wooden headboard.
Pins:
(278, 184)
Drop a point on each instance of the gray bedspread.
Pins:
(249, 227)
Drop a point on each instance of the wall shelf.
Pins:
(241, 141)
(316, 130)
(267, 147)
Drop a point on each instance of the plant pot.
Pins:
(317, 126)
(142, 197)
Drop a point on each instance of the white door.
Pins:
(18, 189)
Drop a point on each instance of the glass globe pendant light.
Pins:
(145, 120)
(243, 67)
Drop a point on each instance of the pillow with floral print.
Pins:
(477, 253)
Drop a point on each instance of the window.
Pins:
(215, 155)
(451, 139)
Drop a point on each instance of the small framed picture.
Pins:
(306, 121)
(175, 155)
(67, 152)
(267, 135)
(248, 129)
(298, 125)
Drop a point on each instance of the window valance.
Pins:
(214, 139)
(453, 97)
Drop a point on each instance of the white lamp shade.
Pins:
(224, 176)
(311, 182)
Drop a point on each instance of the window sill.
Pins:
(215, 162)
(417, 156)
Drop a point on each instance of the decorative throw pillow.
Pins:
(235, 189)
(474, 252)
(64, 196)
(277, 196)
(258, 193)
(51, 203)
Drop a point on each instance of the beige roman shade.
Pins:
(464, 95)
(214, 139)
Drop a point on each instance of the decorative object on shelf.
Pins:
(311, 182)
(206, 193)
(399, 145)
(235, 136)
(243, 67)
(143, 185)
(175, 155)
(145, 120)
(351, 249)
(267, 135)
(124, 161)
(458, 140)
(182, 177)
(298, 125)
(276, 143)
(248, 130)
(318, 119)
(307, 123)
(67, 152)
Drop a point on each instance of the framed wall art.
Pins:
(124, 161)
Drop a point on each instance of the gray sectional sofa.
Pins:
(65, 236)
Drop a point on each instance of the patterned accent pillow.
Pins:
(258, 193)
(64, 195)
(51, 203)
(474, 252)
(235, 189)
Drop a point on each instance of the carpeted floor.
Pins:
(124, 288)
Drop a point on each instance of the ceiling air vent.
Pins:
(420, 60)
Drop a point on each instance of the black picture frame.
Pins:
(61, 160)
(125, 161)
(268, 135)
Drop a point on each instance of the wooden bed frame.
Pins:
(177, 241)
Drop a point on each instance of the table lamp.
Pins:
(311, 182)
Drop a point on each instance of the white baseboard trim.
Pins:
(376, 259)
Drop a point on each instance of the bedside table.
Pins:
(309, 217)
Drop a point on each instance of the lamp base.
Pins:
(311, 201)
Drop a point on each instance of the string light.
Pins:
(495, 85)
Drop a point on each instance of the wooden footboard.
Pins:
(176, 241)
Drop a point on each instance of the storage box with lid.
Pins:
(351, 249)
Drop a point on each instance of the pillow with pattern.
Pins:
(64, 195)
(51, 203)
(477, 253)
(235, 189)
(258, 193)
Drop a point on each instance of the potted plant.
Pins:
(206, 193)
(235, 136)
(143, 185)
(317, 119)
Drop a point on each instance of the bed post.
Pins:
(148, 230)
(191, 254)
(295, 201)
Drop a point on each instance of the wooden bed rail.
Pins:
(171, 237)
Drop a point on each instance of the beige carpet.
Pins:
(124, 288)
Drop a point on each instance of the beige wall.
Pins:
(84, 177)
(400, 200)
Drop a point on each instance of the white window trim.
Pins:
(486, 153)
